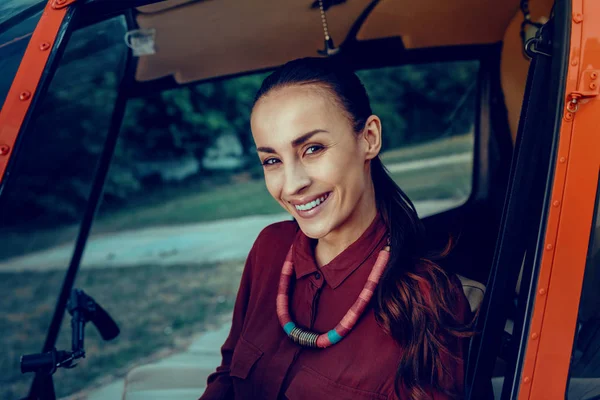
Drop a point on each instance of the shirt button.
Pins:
(317, 275)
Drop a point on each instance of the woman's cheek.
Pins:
(330, 172)
(273, 185)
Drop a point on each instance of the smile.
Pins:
(312, 204)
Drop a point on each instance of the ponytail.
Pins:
(414, 298)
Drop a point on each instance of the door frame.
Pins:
(563, 248)
(32, 78)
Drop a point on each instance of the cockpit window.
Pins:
(44, 198)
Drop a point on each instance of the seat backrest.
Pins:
(474, 291)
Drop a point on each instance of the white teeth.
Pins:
(312, 204)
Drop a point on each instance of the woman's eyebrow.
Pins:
(266, 150)
(304, 138)
(295, 143)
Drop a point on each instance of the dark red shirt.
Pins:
(261, 362)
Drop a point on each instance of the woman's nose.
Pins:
(296, 179)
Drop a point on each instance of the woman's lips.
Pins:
(312, 208)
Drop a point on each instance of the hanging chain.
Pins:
(324, 20)
(330, 48)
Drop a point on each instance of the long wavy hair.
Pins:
(414, 297)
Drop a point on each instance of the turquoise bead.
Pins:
(289, 327)
(333, 336)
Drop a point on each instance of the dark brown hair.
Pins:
(414, 297)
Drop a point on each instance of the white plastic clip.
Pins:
(141, 41)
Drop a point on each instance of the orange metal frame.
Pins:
(25, 84)
(552, 330)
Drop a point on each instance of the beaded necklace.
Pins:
(311, 339)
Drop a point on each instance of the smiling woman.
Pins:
(313, 159)
(356, 238)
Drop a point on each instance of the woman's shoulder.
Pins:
(270, 248)
(278, 231)
(277, 237)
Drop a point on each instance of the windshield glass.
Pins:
(13, 44)
(10, 8)
(43, 202)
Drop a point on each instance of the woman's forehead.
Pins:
(293, 98)
(295, 108)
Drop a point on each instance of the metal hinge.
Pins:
(60, 4)
(589, 86)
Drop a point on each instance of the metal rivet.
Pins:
(574, 62)
(593, 85)
(556, 203)
(568, 116)
(526, 379)
(594, 75)
(578, 17)
(549, 247)
(542, 292)
(534, 336)
(44, 46)
(4, 149)
(562, 160)
(26, 95)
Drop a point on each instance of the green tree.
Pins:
(418, 102)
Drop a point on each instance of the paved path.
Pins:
(431, 162)
(185, 372)
(222, 240)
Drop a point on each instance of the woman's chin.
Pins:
(314, 230)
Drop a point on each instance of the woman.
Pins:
(340, 303)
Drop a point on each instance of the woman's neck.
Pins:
(335, 242)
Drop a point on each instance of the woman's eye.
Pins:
(313, 149)
(270, 161)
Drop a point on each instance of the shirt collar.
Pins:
(345, 263)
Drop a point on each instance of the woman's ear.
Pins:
(371, 136)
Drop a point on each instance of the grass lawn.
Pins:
(441, 182)
(158, 309)
(231, 201)
(435, 148)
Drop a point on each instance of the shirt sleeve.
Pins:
(219, 384)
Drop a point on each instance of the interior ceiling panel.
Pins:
(428, 23)
(208, 38)
(164, 5)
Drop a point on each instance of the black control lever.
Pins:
(83, 309)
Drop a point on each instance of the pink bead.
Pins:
(323, 341)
